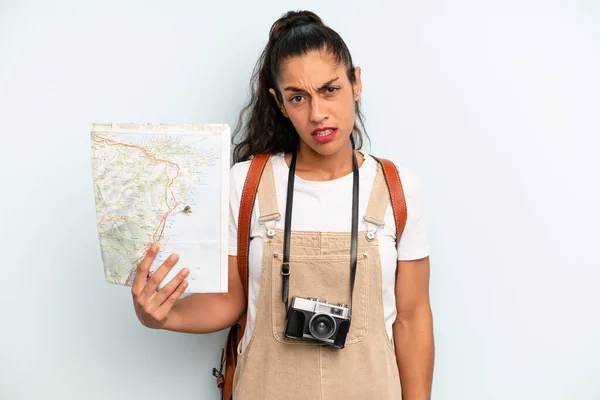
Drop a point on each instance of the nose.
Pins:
(318, 113)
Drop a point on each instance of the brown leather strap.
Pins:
(394, 184)
(230, 353)
(245, 216)
(236, 332)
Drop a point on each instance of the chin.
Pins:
(328, 149)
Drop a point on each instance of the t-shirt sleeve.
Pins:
(414, 242)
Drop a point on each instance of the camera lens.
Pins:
(321, 326)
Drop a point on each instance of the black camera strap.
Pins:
(285, 266)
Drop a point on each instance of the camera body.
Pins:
(318, 321)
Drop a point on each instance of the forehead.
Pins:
(313, 68)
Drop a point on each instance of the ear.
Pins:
(279, 105)
(357, 84)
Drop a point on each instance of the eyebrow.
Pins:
(323, 86)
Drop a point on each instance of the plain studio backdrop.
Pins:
(494, 104)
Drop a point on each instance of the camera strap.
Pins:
(285, 266)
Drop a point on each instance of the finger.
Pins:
(160, 274)
(169, 288)
(168, 305)
(141, 274)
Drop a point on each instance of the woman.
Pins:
(303, 111)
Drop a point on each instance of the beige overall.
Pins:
(273, 367)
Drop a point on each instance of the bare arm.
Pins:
(413, 329)
(209, 312)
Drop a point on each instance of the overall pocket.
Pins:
(326, 278)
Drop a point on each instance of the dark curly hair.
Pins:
(261, 126)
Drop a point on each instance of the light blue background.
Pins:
(494, 105)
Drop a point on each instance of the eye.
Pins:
(296, 99)
(332, 89)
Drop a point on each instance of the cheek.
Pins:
(299, 119)
(346, 111)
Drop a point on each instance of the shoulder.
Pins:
(237, 177)
(411, 182)
(239, 171)
(413, 192)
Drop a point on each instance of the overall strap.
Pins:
(267, 196)
(387, 187)
(378, 200)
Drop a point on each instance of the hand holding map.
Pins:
(163, 184)
(152, 307)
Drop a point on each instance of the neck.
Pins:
(313, 166)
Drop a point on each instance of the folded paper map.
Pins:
(164, 184)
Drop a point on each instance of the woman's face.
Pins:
(319, 100)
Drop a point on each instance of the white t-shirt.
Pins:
(327, 206)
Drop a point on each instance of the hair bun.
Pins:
(293, 19)
(298, 18)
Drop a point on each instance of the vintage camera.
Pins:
(314, 320)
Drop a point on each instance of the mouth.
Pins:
(323, 131)
(325, 134)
